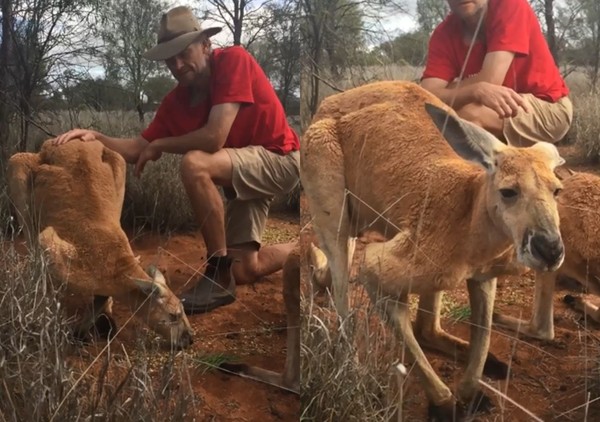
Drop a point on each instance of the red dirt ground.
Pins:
(546, 377)
(252, 329)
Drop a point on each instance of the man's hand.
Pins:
(83, 134)
(152, 152)
(502, 100)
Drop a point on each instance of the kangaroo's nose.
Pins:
(186, 339)
(548, 248)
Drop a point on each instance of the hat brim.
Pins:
(166, 50)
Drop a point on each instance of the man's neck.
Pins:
(472, 28)
(197, 95)
(200, 89)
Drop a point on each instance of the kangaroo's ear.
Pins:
(468, 140)
(551, 152)
(156, 275)
(317, 258)
(149, 288)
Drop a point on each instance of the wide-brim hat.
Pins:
(178, 29)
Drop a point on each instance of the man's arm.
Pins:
(484, 88)
(453, 95)
(209, 138)
(129, 148)
(495, 66)
(476, 88)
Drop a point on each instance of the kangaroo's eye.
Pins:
(508, 193)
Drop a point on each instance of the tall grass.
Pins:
(46, 376)
(347, 375)
(33, 338)
(586, 125)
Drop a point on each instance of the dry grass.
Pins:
(586, 125)
(157, 200)
(46, 376)
(350, 374)
(8, 224)
(345, 375)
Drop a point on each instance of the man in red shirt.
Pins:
(226, 120)
(489, 61)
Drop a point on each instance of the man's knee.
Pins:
(194, 164)
(483, 117)
(217, 166)
(470, 112)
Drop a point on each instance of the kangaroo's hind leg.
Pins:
(322, 174)
(430, 335)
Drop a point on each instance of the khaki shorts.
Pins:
(258, 175)
(545, 122)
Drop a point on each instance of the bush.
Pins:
(157, 201)
(586, 125)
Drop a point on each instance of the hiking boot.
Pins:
(215, 288)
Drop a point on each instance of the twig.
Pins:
(534, 381)
(329, 84)
(401, 374)
(586, 404)
(25, 117)
(505, 397)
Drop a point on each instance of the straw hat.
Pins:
(178, 29)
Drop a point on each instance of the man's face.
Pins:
(191, 64)
(467, 9)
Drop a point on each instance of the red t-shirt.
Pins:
(510, 25)
(235, 77)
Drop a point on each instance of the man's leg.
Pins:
(251, 177)
(546, 122)
(245, 224)
(484, 117)
(252, 263)
(258, 176)
(201, 173)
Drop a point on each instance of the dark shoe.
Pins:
(209, 292)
